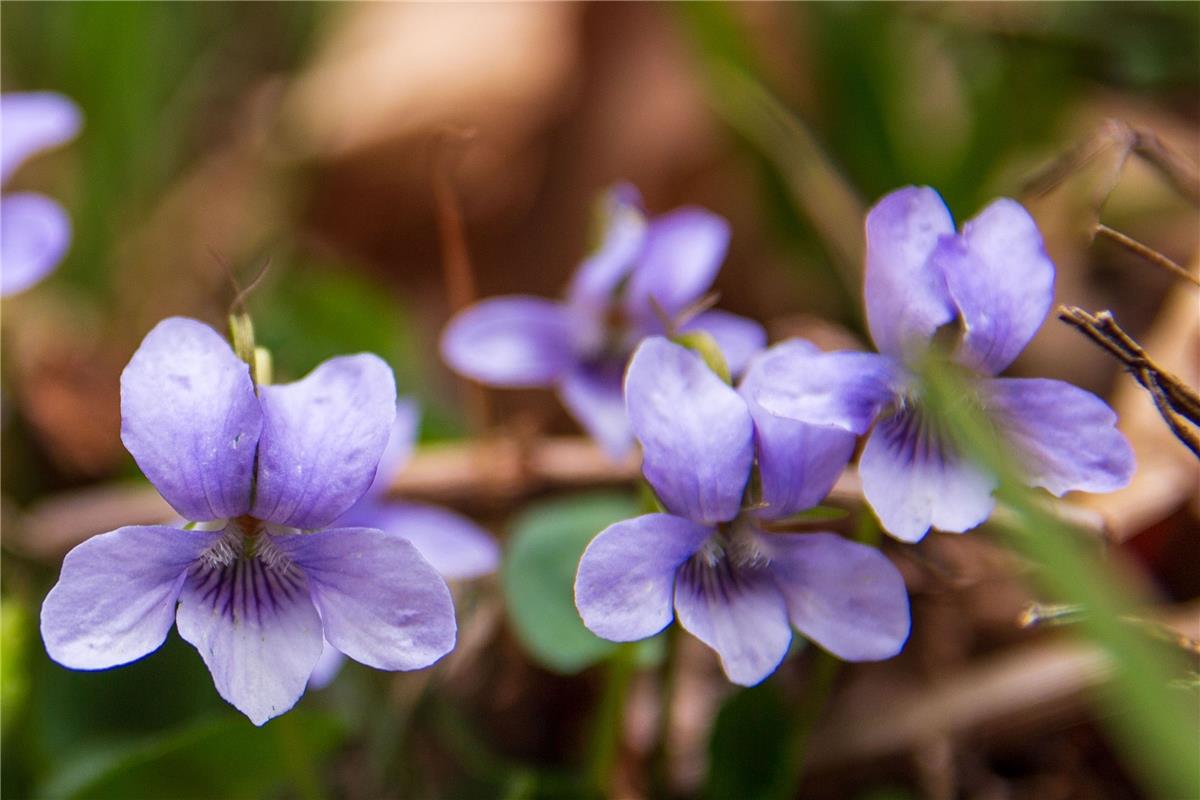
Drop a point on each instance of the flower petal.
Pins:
(739, 338)
(626, 579)
(115, 599)
(907, 299)
(191, 419)
(1002, 282)
(798, 463)
(31, 122)
(510, 342)
(328, 666)
(322, 440)
(452, 544)
(696, 432)
(682, 255)
(1065, 437)
(845, 596)
(595, 282)
(380, 602)
(841, 389)
(35, 233)
(738, 612)
(594, 396)
(401, 442)
(914, 479)
(256, 628)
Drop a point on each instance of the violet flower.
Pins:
(993, 285)
(735, 586)
(452, 544)
(34, 230)
(580, 346)
(263, 576)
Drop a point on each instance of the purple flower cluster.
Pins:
(643, 269)
(710, 560)
(266, 473)
(34, 230)
(989, 287)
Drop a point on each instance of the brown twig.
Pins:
(456, 258)
(1127, 140)
(1145, 251)
(1178, 403)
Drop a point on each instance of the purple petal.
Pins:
(595, 282)
(322, 440)
(1002, 282)
(401, 442)
(452, 544)
(906, 296)
(328, 666)
(511, 342)
(256, 628)
(843, 389)
(696, 432)
(1065, 437)
(739, 338)
(738, 612)
(593, 395)
(380, 602)
(191, 420)
(914, 479)
(115, 599)
(31, 122)
(798, 463)
(845, 596)
(35, 233)
(626, 578)
(682, 255)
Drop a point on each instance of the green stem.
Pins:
(610, 718)
(303, 773)
(661, 776)
(822, 672)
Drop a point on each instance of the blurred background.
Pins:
(220, 135)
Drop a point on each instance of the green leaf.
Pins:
(539, 577)
(227, 758)
(748, 747)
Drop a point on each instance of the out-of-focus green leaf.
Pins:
(539, 577)
(748, 747)
(14, 639)
(1155, 724)
(227, 758)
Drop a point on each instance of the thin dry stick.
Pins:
(1178, 403)
(1145, 251)
(456, 258)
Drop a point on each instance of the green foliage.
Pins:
(538, 577)
(748, 748)
(227, 758)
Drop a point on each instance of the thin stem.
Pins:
(610, 719)
(661, 777)
(823, 671)
(1145, 251)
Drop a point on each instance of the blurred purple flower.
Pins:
(580, 346)
(452, 544)
(709, 561)
(34, 230)
(993, 283)
(263, 576)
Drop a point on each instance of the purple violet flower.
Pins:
(34, 230)
(710, 560)
(263, 576)
(995, 284)
(580, 346)
(452, 544)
